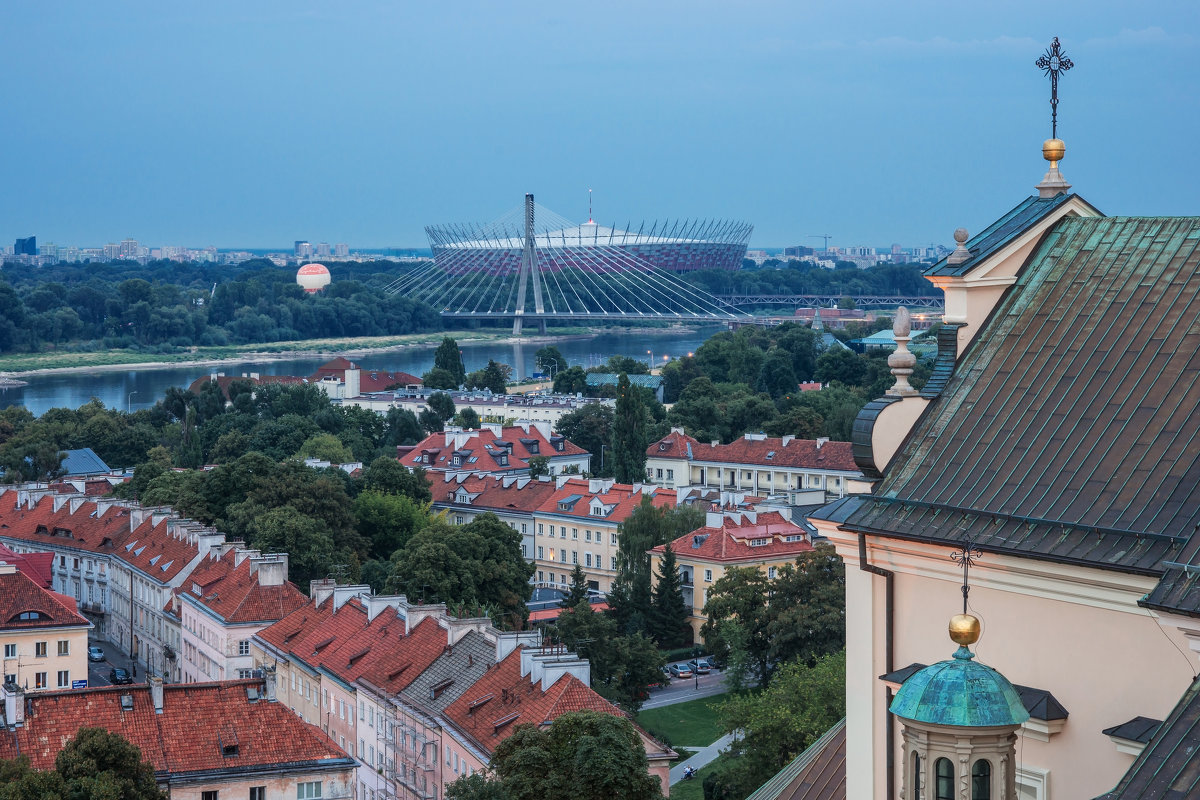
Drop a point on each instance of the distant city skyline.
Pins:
(870, 121)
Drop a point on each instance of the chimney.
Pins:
(14, 705)
(268, 672)
(321, 589)
(378, 602)
(352, 385)
(784, 441)
(457, 628)
(156, 692)
(272, 569)
(822, 441)
(341, 594)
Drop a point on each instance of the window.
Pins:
(914, 778)
(708, 576)
(362, 710)
(761, 542)
(981, 780)
(614, 539)
(587, 535)
(587, 559)
(658, 473)
(10, 651)
(944, 777)
(524, 528)
(244, 647)
(309, 790)
(613, 565)
(64, 679)
(39, 680)
(10, 677)
(541, 529)
(574, 556)
(574, 533)
(541, 552)
(562, 556)
(458, 520)
(551, 530)
(210, 794)
(39, 649)
(258, 793)
(524, 550)
(243, 674)
(771, 573)
(341, 709)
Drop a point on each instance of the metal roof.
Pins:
(83, 462)
(1167, 767)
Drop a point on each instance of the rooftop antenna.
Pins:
(590, 221)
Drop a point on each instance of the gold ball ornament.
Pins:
(964, 629)
(1054, 149)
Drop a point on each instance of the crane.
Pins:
(825, 236)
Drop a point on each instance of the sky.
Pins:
(253, 124)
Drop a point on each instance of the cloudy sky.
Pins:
(255, 123)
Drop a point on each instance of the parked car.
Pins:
(681, 671)
(700, 666)
(118, 676)
(95, 654)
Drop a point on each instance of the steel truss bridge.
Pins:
(506, 270)
(827, 301)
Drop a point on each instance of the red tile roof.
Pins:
(731, 542)
(551, 614)
(19, 594)
(753, 449)
(494, 492)
(37, 566)
(232, 591)
(439, 449)
(368, 380)
(619, 499)
(153, 549)
(503, 698)
(197, 721)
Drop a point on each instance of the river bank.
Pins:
(15, 366)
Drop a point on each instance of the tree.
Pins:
(630, 597)
(802, 703)
(476, 787)
(479, 563)
(591, 428)
(97, 763)
(776, 376)
(441, 404)
(438, 378)
(448, 357)
(584, 755)
(740, 597)
(388, 520)
(572, 380)
(325, 447)
(402, 428)
(539, 465)
(841, 365)
(669, 615)
(430, 421)
(629, 434)
(549, 359)
(307, 541)
(493, 377)
(467, 418)
(579, 588)
(808, 607)
(389, 476)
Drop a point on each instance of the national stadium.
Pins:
(536, 264)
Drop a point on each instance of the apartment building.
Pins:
(464, 496)
(504, 409)
(42, 636)
(495, 450)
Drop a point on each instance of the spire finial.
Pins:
(964, 627)
(902, 360)
(1053, 62)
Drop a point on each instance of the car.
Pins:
(699, 666)
(95, 654)
(118, 676)
(681, 671)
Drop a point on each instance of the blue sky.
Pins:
(256, 123)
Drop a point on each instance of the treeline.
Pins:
(164, 306)
(802, 277)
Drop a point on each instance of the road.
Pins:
(98, 670)
(683, 689)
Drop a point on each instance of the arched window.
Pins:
(944, 775)
(914, 779)
(981, 780)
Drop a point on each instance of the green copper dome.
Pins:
(959, 692)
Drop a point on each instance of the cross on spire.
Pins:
(967, 556)
(1054, 62)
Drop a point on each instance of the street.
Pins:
(683, 689)
(98, 670)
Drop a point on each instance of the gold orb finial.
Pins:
(1053, 150)
(964, 629)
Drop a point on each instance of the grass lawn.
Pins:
(690, 724)
(694, 789)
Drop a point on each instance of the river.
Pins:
(135, 388)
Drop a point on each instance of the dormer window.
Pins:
(761, 542)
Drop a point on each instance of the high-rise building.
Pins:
(129, 248)
(26, 247)
(323, 250)
(303, 249)
(112, 251)
(341, 250)
(49, 250)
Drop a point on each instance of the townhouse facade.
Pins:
(514, 499)
(42, 636)
(121, 562)
(757, 464)
(580, 524)
(495, 449)
(503, 409)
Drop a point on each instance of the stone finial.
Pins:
(961, 253)
(902, 360)
(1053, 183)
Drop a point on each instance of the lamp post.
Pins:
(128, 398)
(651, 354)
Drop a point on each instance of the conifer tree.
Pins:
(668, 613)
(579, 588)
(448, 358)
(629, 434)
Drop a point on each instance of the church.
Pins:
(1042, 493)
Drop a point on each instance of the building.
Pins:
(339, 378)
(26, 247)
(38, 566)
(83, 463)
(121, 562)
(418, 697)
(505, 409)
(766, 539)
(756, 464)
(495, 449)
(514, 499)
(44, 637)
(1056, 441)
(596, 380)
(229, 597)
(581, 523)
(206, 741)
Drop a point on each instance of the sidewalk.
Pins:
(702, 758)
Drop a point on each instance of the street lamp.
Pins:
(129, 397)
(651, 354)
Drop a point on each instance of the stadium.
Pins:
(534, 263)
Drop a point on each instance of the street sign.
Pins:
(79, 684)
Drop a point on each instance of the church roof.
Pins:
(1167, 767)
(959, 692)
(1097, 463)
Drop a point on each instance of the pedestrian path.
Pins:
(702, 758)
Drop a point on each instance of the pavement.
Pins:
(702, 758)
(681, 690)
(113, 657)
